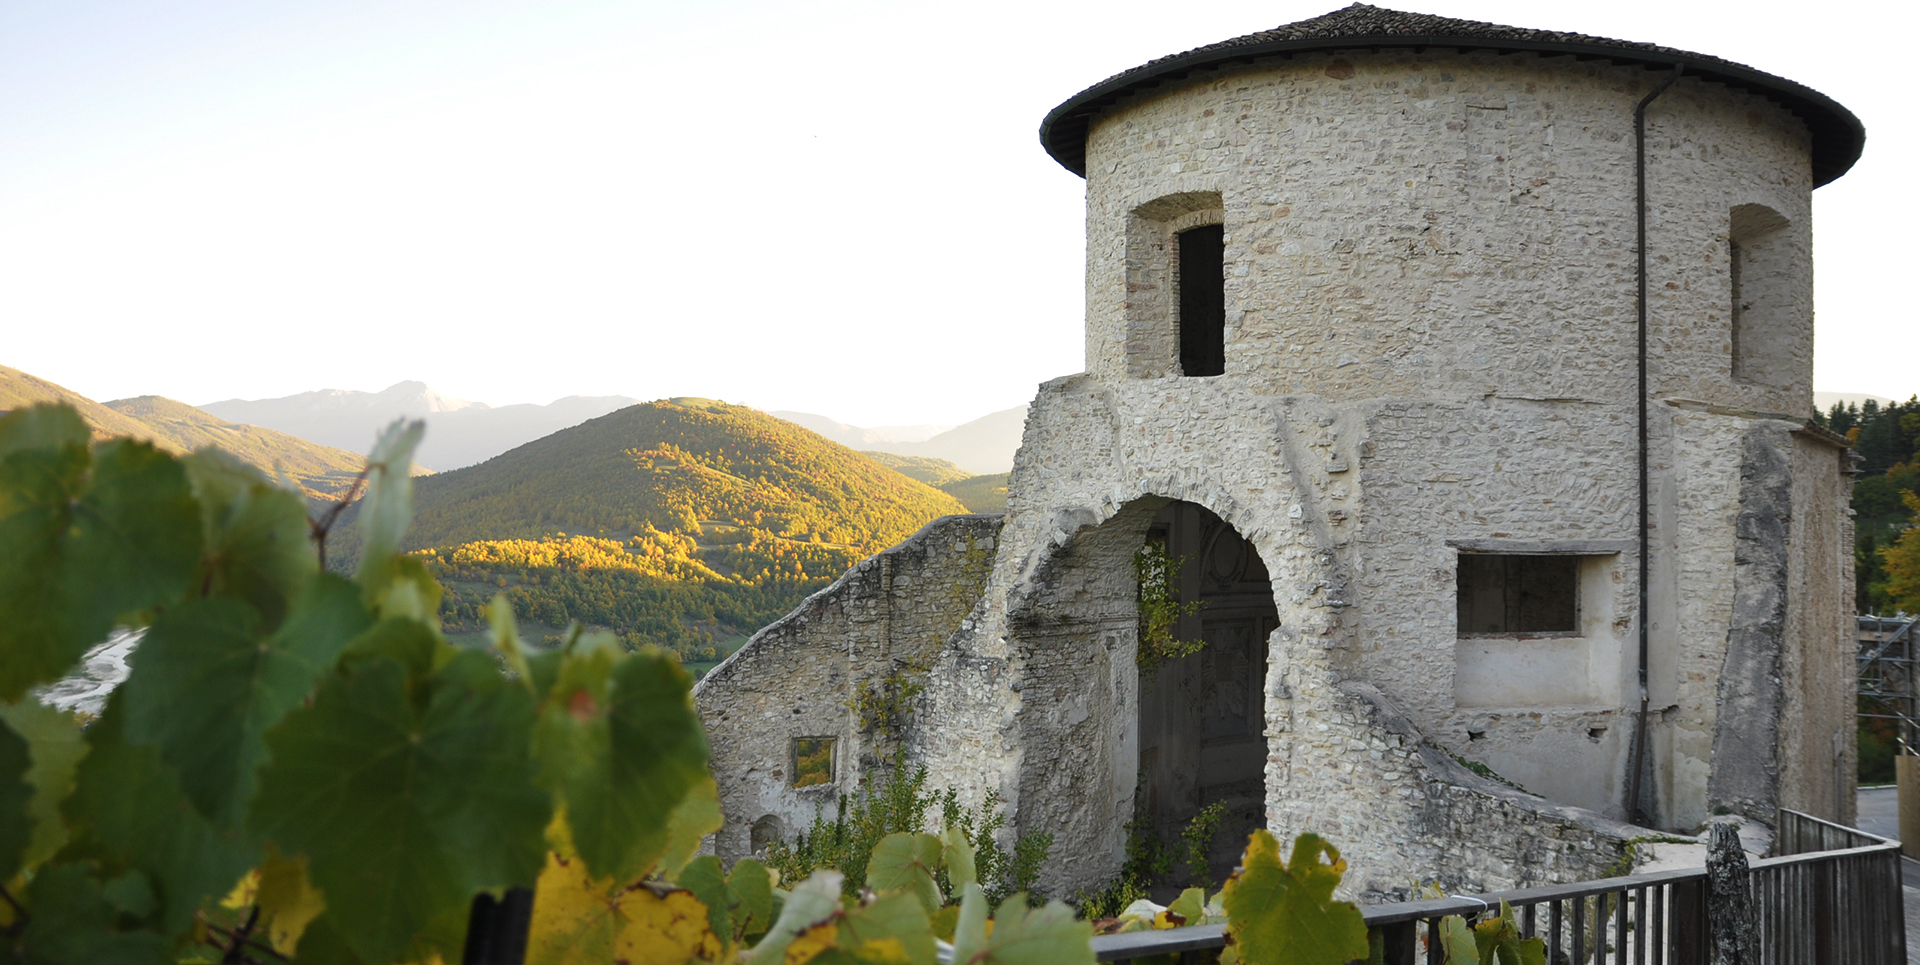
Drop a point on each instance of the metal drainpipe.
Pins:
(1639, 756)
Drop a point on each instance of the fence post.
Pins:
(1687, 915)
(497, 929)
(1730, 901)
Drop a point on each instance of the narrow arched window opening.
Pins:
(1203, 303)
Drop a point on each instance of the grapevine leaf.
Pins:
(255, 535)
(55, 746)
(16, 794)
(620, 743)
(1458, 940)
(405, 810)
(1020, 935)
(288, 900)
(810, 902)
(42, 426)
(956, 855)
(506, 638)
(1190, 907)
(387, 507)
(752, 887)
(1284, 914)
(906, 862)
(581, 920)
(205, 688)
(696, 816)
(73, 924)
(128, 810)
(892, 930)
(703, 877)
(409, 643)
(82, 546)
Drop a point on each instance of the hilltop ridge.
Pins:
(322, 472)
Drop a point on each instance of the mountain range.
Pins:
(459, 432)
(321, 472)
(983, 447)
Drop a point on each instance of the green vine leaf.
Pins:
(811, 901)
(73, 923)
(129, 811)
(84, 541)
(1495, 941)
(1284, 913)
(205, 688)
(388, 799)
(387, 507)
(55, 746)
(906, 862)
(618, 742)
(1020, 935)
(16, 795)
(255, 535)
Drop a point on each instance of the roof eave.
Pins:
(1838, 135)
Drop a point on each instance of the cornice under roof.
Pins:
(1838, 136)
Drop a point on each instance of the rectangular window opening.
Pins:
(812, 761)
(1203, 302)
(1500, 594)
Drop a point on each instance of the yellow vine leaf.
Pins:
(578, 920)
(810, 943)
(288, 901)
(696, 816)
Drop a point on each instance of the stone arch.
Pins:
(1072, 631)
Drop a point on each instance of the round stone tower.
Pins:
(1452, 381)
(1535, 533)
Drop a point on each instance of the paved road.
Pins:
(1879, 814)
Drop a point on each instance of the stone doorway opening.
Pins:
(1201, 722)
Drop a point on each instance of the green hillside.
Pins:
(934, 472)
(981, 494)
(322, 472)
(687, 523)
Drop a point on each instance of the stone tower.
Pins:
(1501, 528)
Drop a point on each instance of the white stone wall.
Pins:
(886, 616)
(1430, 348)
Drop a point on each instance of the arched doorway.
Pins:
(1201, 723)
(1104, 745)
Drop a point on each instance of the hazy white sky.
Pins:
(836, 206)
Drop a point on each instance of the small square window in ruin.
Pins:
(1203, 303)
(1499, 594)
(812, 761)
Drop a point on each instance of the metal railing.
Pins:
(1832, 895)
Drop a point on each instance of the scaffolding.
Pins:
(1888, 689)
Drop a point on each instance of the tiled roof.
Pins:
(1838, 135)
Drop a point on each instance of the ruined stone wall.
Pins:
(1036, 701)
(1818, 751)
(885, 617)
(1697, 509)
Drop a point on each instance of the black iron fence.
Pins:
(1831, 894)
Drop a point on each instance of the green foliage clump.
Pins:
(313, 740)
(1887, 439)
(1150, 861)
(884, 707)
(1160, 608)
(900, 803)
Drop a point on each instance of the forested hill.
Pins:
(322, 472)
(685, 523)
(677, 466)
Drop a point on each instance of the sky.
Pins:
(833, 206)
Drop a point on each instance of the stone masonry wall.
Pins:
(887, 616)
(1036, 701)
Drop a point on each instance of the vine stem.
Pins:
(320, 527)
(19, 913)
